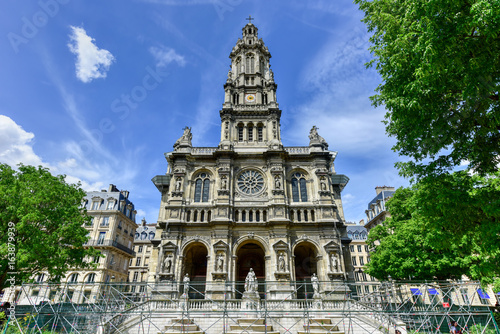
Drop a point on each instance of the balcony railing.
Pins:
(109, 243)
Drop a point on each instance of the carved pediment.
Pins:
(332, 246)
(169, 247)
(280, 246)
(220, 246)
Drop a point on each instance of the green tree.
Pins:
(442, 227)
(440, 65)
(41, 224)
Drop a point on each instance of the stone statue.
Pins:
(167, 264)
(250, 282)
(223, 183)
(178, 184)
(220, 262)
(185, 138)
(229, 75)
(334, 262)
(314, 137)
(277, 182)
(315, 283)
(323, 183)
(281, 262)
(186, 281)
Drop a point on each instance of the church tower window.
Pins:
(250, 133)
(299, 188)
(259, 133)
(240, 132)
(202, 188)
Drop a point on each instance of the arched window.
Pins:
(202, 188)
(151, 235)
(299, 188)
(144, 236)
(73, 278)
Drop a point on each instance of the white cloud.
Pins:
(91, 62)
(16, 144)
(165, 55)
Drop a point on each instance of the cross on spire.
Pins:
(249, 18)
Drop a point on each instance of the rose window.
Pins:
(250, 182)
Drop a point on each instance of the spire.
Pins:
(250, 115)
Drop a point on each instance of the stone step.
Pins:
(325, 327)
(320, 320)
(182, 332)
(251, 321)
(182, 327)
(250, 328)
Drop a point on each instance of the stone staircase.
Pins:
(251, 326)
(182, 326)
(320, 326)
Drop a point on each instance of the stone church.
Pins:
(250, 205)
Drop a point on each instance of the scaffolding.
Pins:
(276, 308)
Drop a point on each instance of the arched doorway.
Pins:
(195, 264)
(305, 255)
(250, 255)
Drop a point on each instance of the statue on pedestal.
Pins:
(315, 284)
(251, 282)
(186, 281)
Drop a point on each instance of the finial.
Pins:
(249, 18)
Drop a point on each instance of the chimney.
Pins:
(125, 193)
(112, 188)
(378, 190)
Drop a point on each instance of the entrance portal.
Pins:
(195, 264)
(305, 265)
(250, 255)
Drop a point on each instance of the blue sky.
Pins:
(100, 90)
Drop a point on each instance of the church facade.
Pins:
(250, 205)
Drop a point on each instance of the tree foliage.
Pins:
(440, 65)
(41, 224)
(442, 227)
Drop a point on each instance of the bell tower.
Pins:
(250, 115)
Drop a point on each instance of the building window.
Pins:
(102, 235)
(354, 261)
(91, 278)
(146, 261)
(359, 249)
(139, 249)
(40, 278)
(120, 225)
(151, 235)
(240, 133)
(136, 274)
(366, 249)
(105, 221)
(73, 278)
(138, 262)
(96, 205)
(96, 259)
(351, 248)
(111, 205)
(299, 189)
(260, 131)
(148, 249)
(361, 260)
(250, 133)
(202, 188)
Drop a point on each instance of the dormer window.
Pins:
(96, 205)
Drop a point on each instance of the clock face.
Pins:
(250, 98)
(250, 182)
